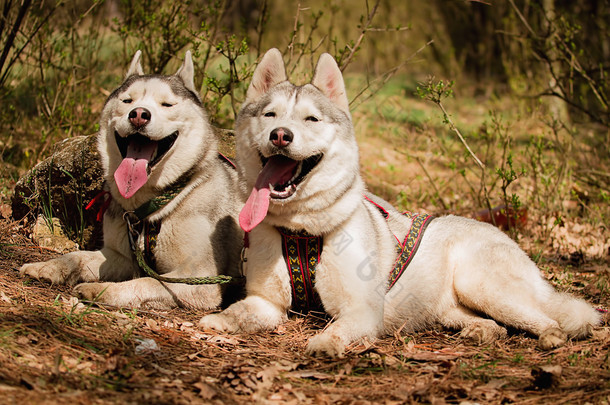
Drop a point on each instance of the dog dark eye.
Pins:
(167, 104)
(269, 114)
(312, 119)
(127, 101)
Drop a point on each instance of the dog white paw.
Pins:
(44, 271)
(483, 332)
(326, 345)
(92, 292)
(552, 338)
(218, 322)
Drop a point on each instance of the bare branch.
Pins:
(385, 78)
(361, 37)
(522, 18)
(8, 44)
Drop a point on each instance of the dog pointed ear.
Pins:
(187, 72)
(136, 67)
(269, 72)
(328, 79)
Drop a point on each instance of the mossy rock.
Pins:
(61, 186)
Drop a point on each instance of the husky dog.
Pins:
(298, 161)
(163, 171)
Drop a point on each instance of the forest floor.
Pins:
(55, 350)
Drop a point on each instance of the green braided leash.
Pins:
(220, 279)
(144, 211)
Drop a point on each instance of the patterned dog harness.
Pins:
(408, 247)
(302, 253)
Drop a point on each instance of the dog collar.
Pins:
(151, 206)
(160, 201)
(143, 210)
(136, 220)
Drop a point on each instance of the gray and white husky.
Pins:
(169, 184)
(298, 162)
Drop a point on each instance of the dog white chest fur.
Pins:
(155, 138)
(298, 162)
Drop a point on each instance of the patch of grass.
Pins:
(76, 312)
(7, 336)
(518, 358)
(392, 113)
(484, 372)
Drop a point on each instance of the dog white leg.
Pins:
(268, 287)
(507, 286)
(529, 319)
(252, 314)
(473, 327)
(112, 263)
(78, 267)
(147, 292)
(356, 302)
(349, 327)
(67, 269)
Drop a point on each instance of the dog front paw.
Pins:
(92, 292)
(50, 271)
(218, 322)
(552, 338)
(326, 345)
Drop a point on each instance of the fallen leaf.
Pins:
(4, 297)
(6, 211)
(22, 341)
(601, 334)
(206, 391)
(146, 346)
(152, 324)
(495, 383)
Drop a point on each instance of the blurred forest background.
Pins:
(485, 103)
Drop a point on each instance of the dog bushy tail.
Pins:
(575, 316)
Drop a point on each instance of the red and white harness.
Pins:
(302, 253)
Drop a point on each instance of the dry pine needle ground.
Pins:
(54, 349)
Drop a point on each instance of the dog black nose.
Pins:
(281, 137)
(139, 117)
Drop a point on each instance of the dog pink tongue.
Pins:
(278, 170)
(132, 173)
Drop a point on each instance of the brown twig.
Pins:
(428, 176)
(386, 77)
(365, 27)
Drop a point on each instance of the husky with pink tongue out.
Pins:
(172, 198)
(317, 238)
